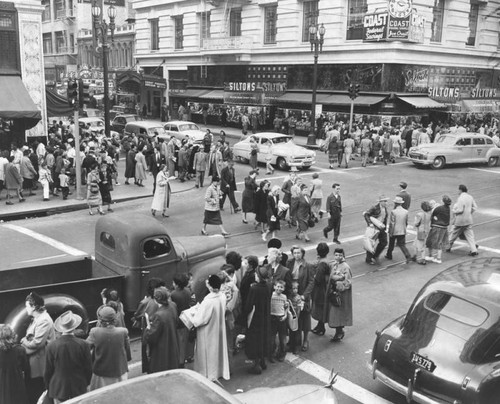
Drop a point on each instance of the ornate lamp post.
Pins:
(101, 35)
(316, 38)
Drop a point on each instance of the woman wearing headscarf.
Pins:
(303, 214)
(273, 219)
(161, 198)
(39, 333)
(14, 368)
(257, 312)
(247, 197)
(212, 207)
(338, 313)
(319, 289)
(161, 333)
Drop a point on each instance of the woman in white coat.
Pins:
(161, 198)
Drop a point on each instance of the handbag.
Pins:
(310, 222)
(334, 296)
(291, 318)
(94, 188)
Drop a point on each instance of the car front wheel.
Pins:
(438, 163)
(493, 161)
(281, 163)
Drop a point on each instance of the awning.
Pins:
(344, 99)
(422, 102)
(479, 106)
(302, 98)
(213, 95)
(191, 92)
(15, 102)
(56, 104)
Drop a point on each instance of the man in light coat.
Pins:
(398, 221)
(463, 210)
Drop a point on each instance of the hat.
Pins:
(253, 172)
(161, 295)
(383, 198)
(106, 314)
(398, 200)
(274, 243)
(214, 281)
(67, 321)
(403, 184)
(446, 200)
(293, 169)
(263, 273)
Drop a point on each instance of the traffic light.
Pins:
(356, 90)
(83, 92)
(72, 92)
(351, 90)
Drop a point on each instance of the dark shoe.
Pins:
(204, 232)
(422, 262)
(271, 360)
(335, 240)
(22, 200)
(305, 346)
(127, 183)
(473, 254)
(110, 210)
(320, 214)
(255, 370)
(236, 210)
(165, 215)
(263, 364)
(337, 337)
(45, 199)
(325, 233)
(371, 261)
(448, 250)
(281, 357)
(32, 193)
(414, 258)
(389, 257)
(244, 221)
(9, 203)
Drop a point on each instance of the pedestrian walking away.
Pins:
(248, 195)
(316, 197)
(398, 221)
(403, 193)
(334, 210)
(228, 186)
(437, 240)
(377, 217)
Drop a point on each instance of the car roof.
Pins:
(125, 115)
(147, 124)
(90, 119)
(181, 122)
(269, 135)
(465, 134)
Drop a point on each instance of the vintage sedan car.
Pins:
(120, 121)
(181, 129)
(94, 125)
(452, 148)
(284, 152)
(145, 128)
(187, 386)
(446, 349)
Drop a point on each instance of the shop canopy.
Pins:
(57, 105)
(15, 102)
(192, 93)
(302, 97)
(213, 95)
(422, 102)
(344, 99)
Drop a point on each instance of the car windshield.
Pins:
(159, 131)
(446, 140)
(188, 126)
(456, 308)
(276, 140)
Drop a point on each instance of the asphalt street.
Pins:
(381, 293)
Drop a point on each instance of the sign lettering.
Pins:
(483, 93)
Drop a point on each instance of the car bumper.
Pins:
(420, 160)
(301, 163)
(410, 394)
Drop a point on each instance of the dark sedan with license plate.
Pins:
(446, 349)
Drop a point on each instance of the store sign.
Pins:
(483, 93)
(375, 27)
(155, 84)
(444, 93)
(253, 92)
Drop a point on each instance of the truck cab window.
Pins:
(107, 240)
(156, 247)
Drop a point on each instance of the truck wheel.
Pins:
(438, 163)
(493, 161)
(281, 163)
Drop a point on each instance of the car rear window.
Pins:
(456, 308)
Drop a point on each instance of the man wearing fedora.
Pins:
(334, 209)
(68, 368)
(398, 221)
(378, 212)
(403, 193)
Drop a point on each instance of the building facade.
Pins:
(410, 60)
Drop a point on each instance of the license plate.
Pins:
(422, 362)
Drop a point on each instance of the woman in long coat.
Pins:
(260, 204)
(14, 367)
(13, 181)
(254, 153)
(161, 334)
(303, 214)
(212, 207)
(130, 164)
(105, 185)
(257, 311)
(161, 198)
(247, 197)
(273, 219)
(316, 197)
(341, 277)
(140, 166)
(93, 190)
(319, 289)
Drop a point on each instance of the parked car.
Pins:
(285, 153)
(96, 123)
(452, 148)
(120, 121)
(92, 112)
(145, 128)
(446, 349)
(181, 129)
(182, 385)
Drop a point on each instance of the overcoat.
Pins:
(140, 166)
(260, 205)
(13, 368)
(257, 339)
(210, 354)
(319, 289)
(340, 316)
(463, 209)
(303, 212)
(248, 195)
(162, 339)
(161, 198)
(130, 164)
(272, 210)
(13, 179)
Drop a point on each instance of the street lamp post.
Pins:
(101, 34)
(316, 38)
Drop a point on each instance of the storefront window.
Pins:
(179, 27)
(474, 12)
(310, 17)
(235, 22)
(155, 34)
(437, 21)
(270, 18)
(355, 14)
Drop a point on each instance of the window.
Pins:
(107, 240)
(235, 22)
(455, 308)
(355, 14)
(178, 28)
(437, 21)
(204, 26)
(473, 15)
(47, 43)
(270, 18)
(156, 247)
(155, 34)
(478, 141)
(464, 142)
(46, 10)
(310, 17)
(60, 9)
(72, 43)
(60, 42)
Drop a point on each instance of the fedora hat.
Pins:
(383, 198)
(67, 321)
(398, 200)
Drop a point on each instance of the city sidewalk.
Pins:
(35, 206)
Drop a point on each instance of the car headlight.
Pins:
(313, 155)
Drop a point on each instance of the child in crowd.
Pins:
(64, 182)
(279, 306)
(45, 179)
(422, 224)
(298, 306)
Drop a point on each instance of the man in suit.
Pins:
(334, 209)
(403, 193)
(228, 186)
(68, 368)
(214, 161)
(155, 160)
(398, 221)
(463, 210)
(200, 166)
(183, 162)
(379, 212)
(170, 157)
(276, 271)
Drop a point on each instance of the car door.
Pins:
(479, 149)
(264, 146)
(462, 151)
